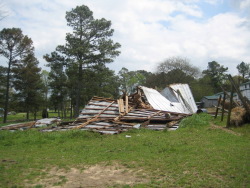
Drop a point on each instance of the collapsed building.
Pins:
(145, 108)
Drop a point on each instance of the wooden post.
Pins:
(119, 108)
(122, 105)
(126, 103)
(223, 107)
(230, 107)
(217, 108)
(236, 87)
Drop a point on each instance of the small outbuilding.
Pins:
(210, 101)
(245, 89)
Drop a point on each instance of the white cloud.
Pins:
(244, 4)
(148, 30)
(214, 2)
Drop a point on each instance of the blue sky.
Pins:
(149, 31)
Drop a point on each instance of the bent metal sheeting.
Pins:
(185, 95)
(159, 102)
(175, 98)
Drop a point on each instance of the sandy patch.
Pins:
(93, 176)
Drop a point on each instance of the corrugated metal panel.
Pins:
(187, 95)
(159, 102)
(169, 94)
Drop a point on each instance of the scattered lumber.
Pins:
(110, 116)
(18, 126)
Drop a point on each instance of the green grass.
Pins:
(21, 117)
(196, 121)
(192, 156)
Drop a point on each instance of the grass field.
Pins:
(21, 117)
(195, 155)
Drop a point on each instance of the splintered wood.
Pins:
(108, 116)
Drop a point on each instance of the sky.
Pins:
(149, 31)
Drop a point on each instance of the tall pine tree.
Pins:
(89, 44)
(27, 83)
(13, 45)
(57, 81)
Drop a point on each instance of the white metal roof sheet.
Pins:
(187, 95)
(159, 102)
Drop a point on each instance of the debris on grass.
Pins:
(147, 108)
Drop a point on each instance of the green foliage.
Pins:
(217, 74)
(102, 82)
(57, 80)
(45, 89)
(28, 83)
(3, 73)
(129, 80)
(201, 87)
(13, 46)
(88, 45)
(244, 70)
(195, 121)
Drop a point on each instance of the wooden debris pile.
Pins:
(33, 124)
(109, 116)
(18, 126)
(146, 108)
(238, 112)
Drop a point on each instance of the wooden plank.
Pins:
(230, 107)
(223, 107)
(236, 87)
(121, 105)
(126, 104)
(121, 115)
(18, 126)
(94, 118)
(149, 117)
(119, 108)
(217, 108)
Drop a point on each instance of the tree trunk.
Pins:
(78, 92)
(7, 92)
(27, 115)
(58, 113)
(71, 108)
(35, 115)
(62, 111)
(65, 111)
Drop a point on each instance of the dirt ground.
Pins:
(224, 129)
(93, 176)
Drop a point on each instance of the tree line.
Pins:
(78, 70)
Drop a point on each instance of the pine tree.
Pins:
(13, 45)
(28, 83)
(88, 45)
